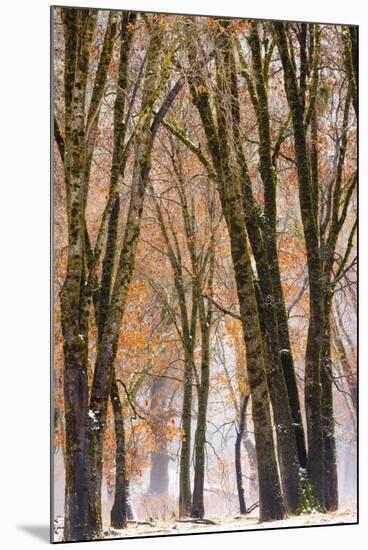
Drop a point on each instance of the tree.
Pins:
(228, 184)
(192, 310)
(262, 225)
(85, 422)
(321, 248)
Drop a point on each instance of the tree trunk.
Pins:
(188, 337)
(197, 510)
(74, 321)
(285, 434)
(238, 465)
(200, 439)
(286, 357)
(271, 504)
(288, 369)
(329, 444)
(159, 474)
(184, 475)
(119, 511)
(281, 373)
(76, 404)
(252, 458)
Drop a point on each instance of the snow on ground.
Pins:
(155, 528)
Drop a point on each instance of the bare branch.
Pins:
(221, 308)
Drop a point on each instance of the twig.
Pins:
(252, 507)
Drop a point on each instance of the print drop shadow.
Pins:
(41, 532)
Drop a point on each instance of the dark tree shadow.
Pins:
(41, 532)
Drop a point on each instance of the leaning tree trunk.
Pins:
(119, 512)
(107, 351)
(271, 504)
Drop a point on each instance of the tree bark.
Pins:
(120, 509)
(238, 464)
(185, 498)
(331, 499)
(198, 510)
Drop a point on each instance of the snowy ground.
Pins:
(155, 528)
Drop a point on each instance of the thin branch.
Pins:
(136, 413)
(298, 296)
(221, 308)
(160, 115)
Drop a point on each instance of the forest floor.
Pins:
(239, 523)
